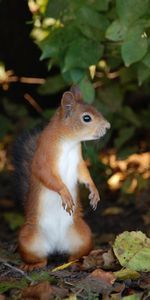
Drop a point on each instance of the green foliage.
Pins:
(114, 36)
(82, 32)
(14, 220)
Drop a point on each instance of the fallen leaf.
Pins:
(91, 284)
(132, 249)
(132, 297)
(107, 277)
(64, 266)
(39, 291)
(100, 258)
(144, 281)
(43, 291)
(110, 261)
(71, 297)
(113, 210)
(124, 274)
(93, 260)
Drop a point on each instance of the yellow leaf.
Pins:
(64, 266)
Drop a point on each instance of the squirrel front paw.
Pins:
(67, 201)
(94, 197)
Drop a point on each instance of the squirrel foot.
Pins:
(30, 267)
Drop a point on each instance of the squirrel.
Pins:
(49, 166)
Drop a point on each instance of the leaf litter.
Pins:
(106, 273)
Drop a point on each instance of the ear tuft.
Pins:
(68, 103)
(77, 93)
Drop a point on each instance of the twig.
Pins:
(31, 80)
(18, 270)
(33, 102)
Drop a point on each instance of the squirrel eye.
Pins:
(87, 118)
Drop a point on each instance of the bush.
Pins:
(100, 45)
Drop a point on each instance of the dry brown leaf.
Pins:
(93, 260)
(107, 277)
(43, 291)
(100, 259)
(110, 261)
(113, 210)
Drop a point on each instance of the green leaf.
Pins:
(131, 10)
(145, 117)
(146, 59)
(134, 46)
(124, 274)
(132, 297)
(57, 42)
(52, 85)
(77, 75)
(12, 108)
(77, 55)
(15, 220)
(89, 32)
(112, 96)
(101, 5)
(54, 10)
(5, 126)
(91, 17)
(8, 285)
(132, 249)
(87, 90)
(91, 23)
(48, 113)
(143, 73)
(131, 116)
(124, 135)
(116, 31)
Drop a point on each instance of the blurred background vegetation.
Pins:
(104, 47)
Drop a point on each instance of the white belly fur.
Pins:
(54, 222)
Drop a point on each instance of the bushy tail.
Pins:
(23, 152)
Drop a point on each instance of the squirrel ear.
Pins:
(68, 103)
(77, 93)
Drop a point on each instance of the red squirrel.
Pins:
(54, 165)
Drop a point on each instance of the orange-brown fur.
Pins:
(44, 173)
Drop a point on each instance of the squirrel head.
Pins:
(82, 121)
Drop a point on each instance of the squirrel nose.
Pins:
(106, 124)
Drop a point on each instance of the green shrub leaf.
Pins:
(82, 53)
(131, 116)
(116, 31)
(52, 85)
(130, 10)
(124, 135)
(134, 46)
(143, 73)
(87, 90)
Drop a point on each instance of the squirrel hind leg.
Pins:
(33, 266)
(30, 248)
(81, 242)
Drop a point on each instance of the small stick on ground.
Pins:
(18, 270)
